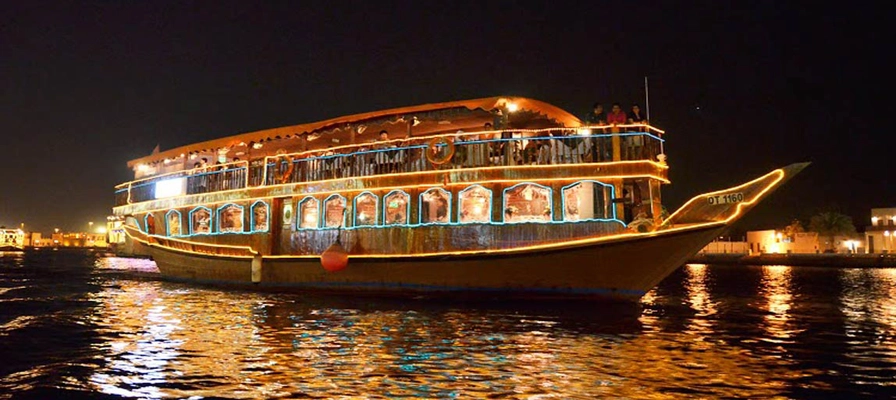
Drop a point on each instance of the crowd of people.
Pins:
(490, 147)
(616, 116)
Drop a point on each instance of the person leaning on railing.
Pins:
(617, 117)
(599, 147)
(635, 116)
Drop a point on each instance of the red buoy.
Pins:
(334, 258)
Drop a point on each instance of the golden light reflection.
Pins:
(868, 303)
(648, 317)
(700, 300)
(775, 289)
(162, 340)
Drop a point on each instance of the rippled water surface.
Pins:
(75, 325)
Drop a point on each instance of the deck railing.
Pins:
(553, 146)
(198, 180)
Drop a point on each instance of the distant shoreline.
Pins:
(800, 260)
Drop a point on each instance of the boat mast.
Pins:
(646, 98)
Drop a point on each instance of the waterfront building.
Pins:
(72, 239)
(880, 234)
(777, 242)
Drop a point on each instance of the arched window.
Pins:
(132, 221)
(309, 213)
(172, 223)
(527, 202)
(475, 205)
(396, 208)
(366, 205)
(230, 218)
(334, 211)
(260, 212)
(149, 221)
(588, 200)
(200, 221)
(435, 206)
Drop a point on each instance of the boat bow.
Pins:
(727, 205)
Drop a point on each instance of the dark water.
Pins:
(74, 325)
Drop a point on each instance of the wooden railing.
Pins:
(554, 146)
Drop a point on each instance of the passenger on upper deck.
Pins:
(636, 143)
(616, 116)
(635, 116)
(385, 160)
(597, 116)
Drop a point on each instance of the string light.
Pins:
(778, 176)
(146, 206)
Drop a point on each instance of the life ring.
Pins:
(284, 178)
(432, 151)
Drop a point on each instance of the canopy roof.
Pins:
(551, 112)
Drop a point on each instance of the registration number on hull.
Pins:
(729, 198)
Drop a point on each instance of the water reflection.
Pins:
(776, 293)
(704, 333)
(869, 308)
(700, 300)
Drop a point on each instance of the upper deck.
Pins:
(537, 139)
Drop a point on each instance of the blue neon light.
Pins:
(218, 218)
(376, 200)
(327, 201)
(146, 223)
(302, 213)
(460, 203)
(610, 206)
(168, 222)
(267, 225)
(200, 208)
(447, 213)
(550, 202)
(407, 206)
(469, 142)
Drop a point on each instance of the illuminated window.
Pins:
(396, 207)
(172, 223)
(527, 202)
(132, 221)
(366, 205)
(435, 206)
(260, 214)
(309, 214)
(475, 205)
(200, 221)
(230, 218)
(149, 221)
(587, 200)
(334, 211)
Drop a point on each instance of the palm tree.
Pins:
(791, 230)
(831, 224)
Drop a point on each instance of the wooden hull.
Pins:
(625, 268)
(580, 264)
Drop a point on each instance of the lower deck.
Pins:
(436, 212)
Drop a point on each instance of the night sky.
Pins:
(740, 89)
